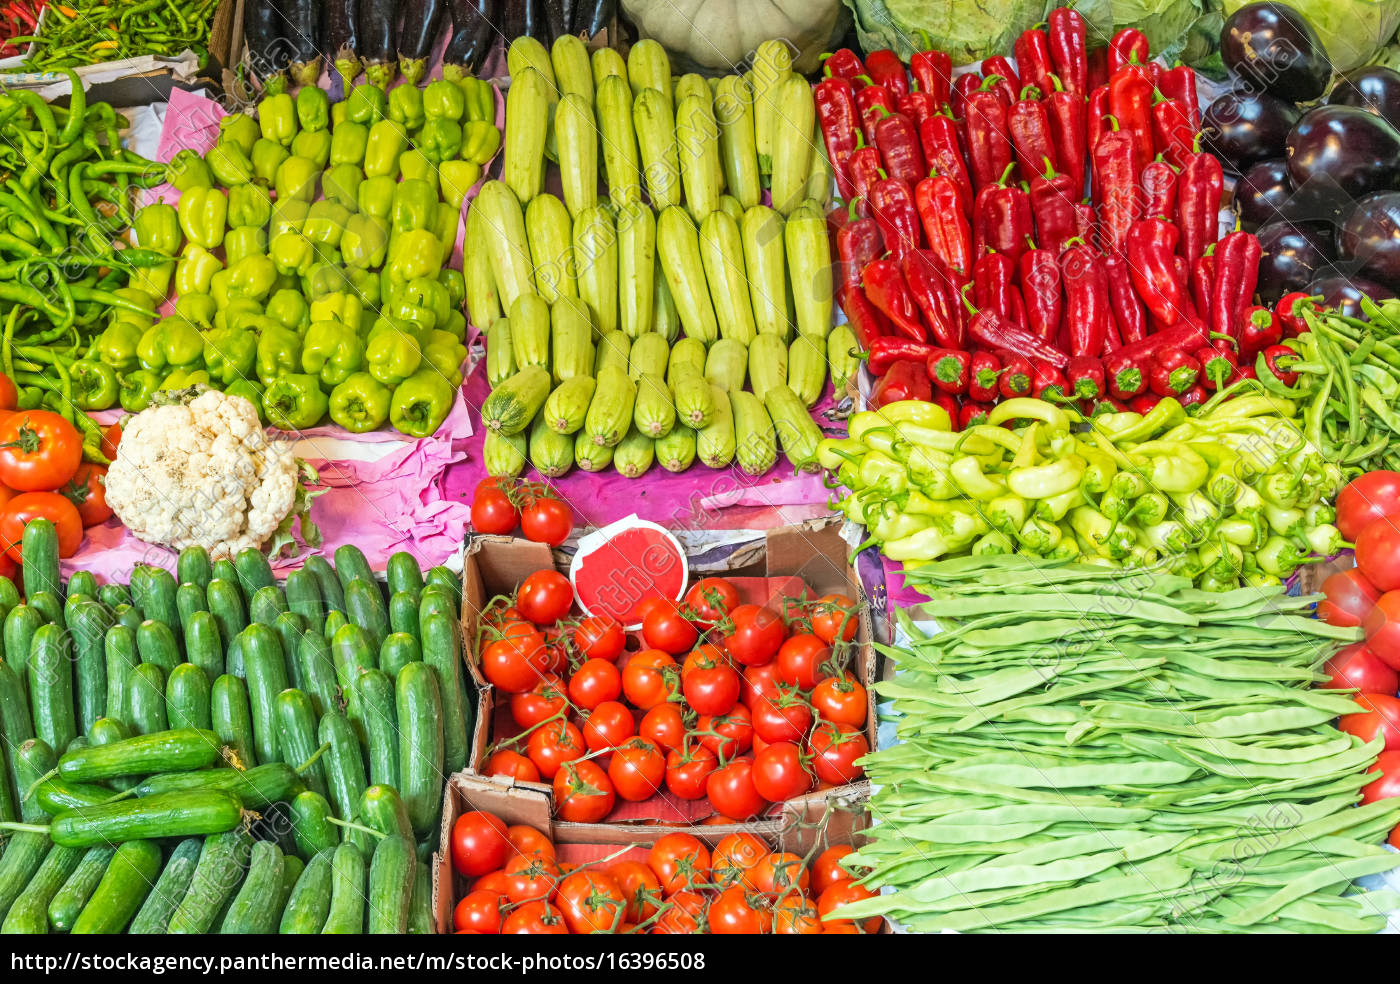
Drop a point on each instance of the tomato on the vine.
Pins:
(688, 769)
(732, 792)
(640, 887)
(506, 762)
(681, 862)
(546, 520)
(479, 911)
(583, 793)
(782, 717)
(835, 749)
(26, 507)
(760, 682)
(591, 902)
(710, 599)
(594, 682)
(39, 450)
(682, 914)
(664, 726)
(843, 893)
(553, 744)
(727, 734)
(827, 870)
(87, 490)
(517, 660)
(755, 633)
(735, 857)
(666, 628)
(780, 873)
(536, 919)
(650, 678)
(600, 637)
(531, 878)
(834, 618)
(607, 726)
(540, 703)
(802, 660)
(840, 700)
(493, 512)
(732, 914)
(479, 843)
(637, 770)
(545, 597)
(711, 688)
(525, 839)
(778, 772)
(794, 915)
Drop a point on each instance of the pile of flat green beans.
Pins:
(1101, 750)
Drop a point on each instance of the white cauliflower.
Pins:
(203, 473)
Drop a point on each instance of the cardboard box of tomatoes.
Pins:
(823, 717)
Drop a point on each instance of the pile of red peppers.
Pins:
(1048, 229)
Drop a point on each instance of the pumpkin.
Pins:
(721, 35)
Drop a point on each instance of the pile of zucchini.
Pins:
(213, 751)
(623, 330)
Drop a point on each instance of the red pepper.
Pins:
(948, 369)
(1112, 340)
(885, 68)
(1193, 397)
(1053, 198)
(1145, 403)
(1159, 190)
(1128, 313)
(1048, 383)
(864, 167)
(990, 331)
(858, 243)
(1085, 221)
(1007, 83)
(947, 402)
(1151, 247)
(1032, 51)
(884, 285)
(1130, 103)
(1202, 277)
(1128, 47)
(1246, 372)
(982, 377)
(905, 380)
(1236, 274)
(932, 71)
(946, 229)
(1179, 83)
(866, 321)
(918, 106)
(1041, 292)
(843, 63)
(1016, 372)
(1280, 360)
(1069, 48)
(1172, 133)
(1126, 377)
(1098, 68)
(869, 101)
(1029, 127)
(898, 141)
(885, 352)
(1182, 271)
(994, 284)
(1290, 310)
(1086, 299)
(1199, 190)
(835, 102)
(1102, 405)
(1002, 219)
(1172, 372)
(963, 86)
(1068, 132)
(939, 137)
(1095, 126)
(892, 205)
(1086, 377)
(972, 414)
(1218, 365)
(1115, 187)
(927, 277)
(1259, 329)
(988, 149)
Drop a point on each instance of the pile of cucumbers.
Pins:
(214, 751)
(680, 317)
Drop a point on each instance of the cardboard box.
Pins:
(805, 827)
(815, 553)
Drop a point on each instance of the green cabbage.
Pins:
(1352, 31)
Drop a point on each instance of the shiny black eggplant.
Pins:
(342, 38)
(376, 27)
(473, 34)
(593, 15)
(1373, 88)
(1346, 150)
(1343, 292)
(304, 28)
(1293, 256)
(422, 22)
(1243, 127)
(1274, 49)
(1371, 237)
(268, 51)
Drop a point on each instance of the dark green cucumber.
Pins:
(128, 615)
(175, 750)
(398, 650)
(332, 594)
(203, 646)
(381, 807)
(335, 621)
(77, 744)
(257, 788)
(187, 697)
(268, 602)
(226, 605)
(290, 628)
(87, 626)
(56, 794)
(193, 566)
(232, 720)
(266, 671)
(347, 910)
(9, 594)
(69, 901)
(233, 658)
(217, 876)
(113, 595)
(190, 598)
(39, 549)
(403, 573)
(304, 595)
(50, 606)
(169, 890)
(9, 799)
(51, 686)
(292, 867)
(119, 651)
(180, 814)
(127, 881)
(253, 910)
(224, 569)
(318, 672)
(420, 907)
(254, 571)
(29, 915)
(418, 701)
(296, 735)
(145, 700)
(352, 652)
(310, 901)
(391, 875)
(448, 578)
(364, 606)
(344, 767)
(403, 612)
(436, 600)
(374, 693)
(442, 650)
(158, 599)
(156, 644)
(350, 563)
(21, 623)
(106, 731)
(30, 762)
(16, 723)
(81, 583)
(24, 853)
(311, 826)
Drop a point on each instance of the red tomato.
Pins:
(784, 717)
(728, 734)
(649, 678)
(531, 878)
(680, 863)
(778, 773)
(525, 839)
(1365, 498)
(479, 912)
(731, 914)
(553, 744)
(87, 490)
(591, 902)
(1377, 714)
(843, 893)
(760, 681)
(640, 888)
(508, 763)
(540, 703)
(545, 597)
(667, 629)
(802, 661)
(704, 655)
(637, 770)
(546, 520)
(1377, 551)
(517, 661)
(608, 726)
(1382, 625)
(732, 792)
(1355, 667)
(664, 726)
(594, 682)
(39, 450)
(835, 748)
(493, 512)
(479, 843)
(710, 599)
(682, 914)
(1349, 597)
(111, 440)
(643, 608)
(827, 870)
(794, 915)
(537, 919)
(26, 507)
(781, 874)
(755, 635)
(840, 700)
(834, 616)
(600, 637)
(493, 882)
(583, 793)
(9, 396)
(711, 688)
(735, 857)
(688, 770)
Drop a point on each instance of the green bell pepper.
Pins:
(289, 216)
(248, 205)
(95, 385)
(170, 342)
(314, 145)
(387, 140)
(116, 346)
(157, 227)
(279, 350)
(446, 359)
(375, 196)
(291, 252)
(137, 388)
(415, 164)
(420, 403)
(364, 242)
(198, 309)
(406, 106)
(267, 157)
(331, 351)
(250, 391)
(343, 306)
(244, 241)
(366, 104)
(240, 128)
(415, 205)
(423, 301)
(364, 284)
(295, 402)
(456, 178)
(480, 141)
(393, 354)
(229, 354)
(296, 179)
(440, 140)
(480, 97)
(323, 279)
(341, 183)
(414, 253)
(443, 100)
(277, 117)
(313, 108)
(360, 403)
(325, 222)
(203, 214)
(196, 269)
(289, 309)
(241, 312)
(229, 165)
(455, 284)
(252, 276)
(446, 219)
(187, 170)
(348, 142)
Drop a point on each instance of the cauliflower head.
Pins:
(203, 473)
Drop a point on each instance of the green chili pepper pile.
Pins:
(1094, 749)
(86, 32)
(1231, 494)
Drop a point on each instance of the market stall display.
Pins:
(90, 32)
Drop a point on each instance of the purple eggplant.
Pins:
(1343, 292)
(1263, 192)
(1344, 152)
(376, 28)
(1371, 237)
(556, 20)
(1274, 49)
(342, 38)
(1294, 255)
(1374, 88)
(422, 20)
(592, 16)
(1243, 127)
(521, 18)
(473, 34)
(268, 50)
(302, 26)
